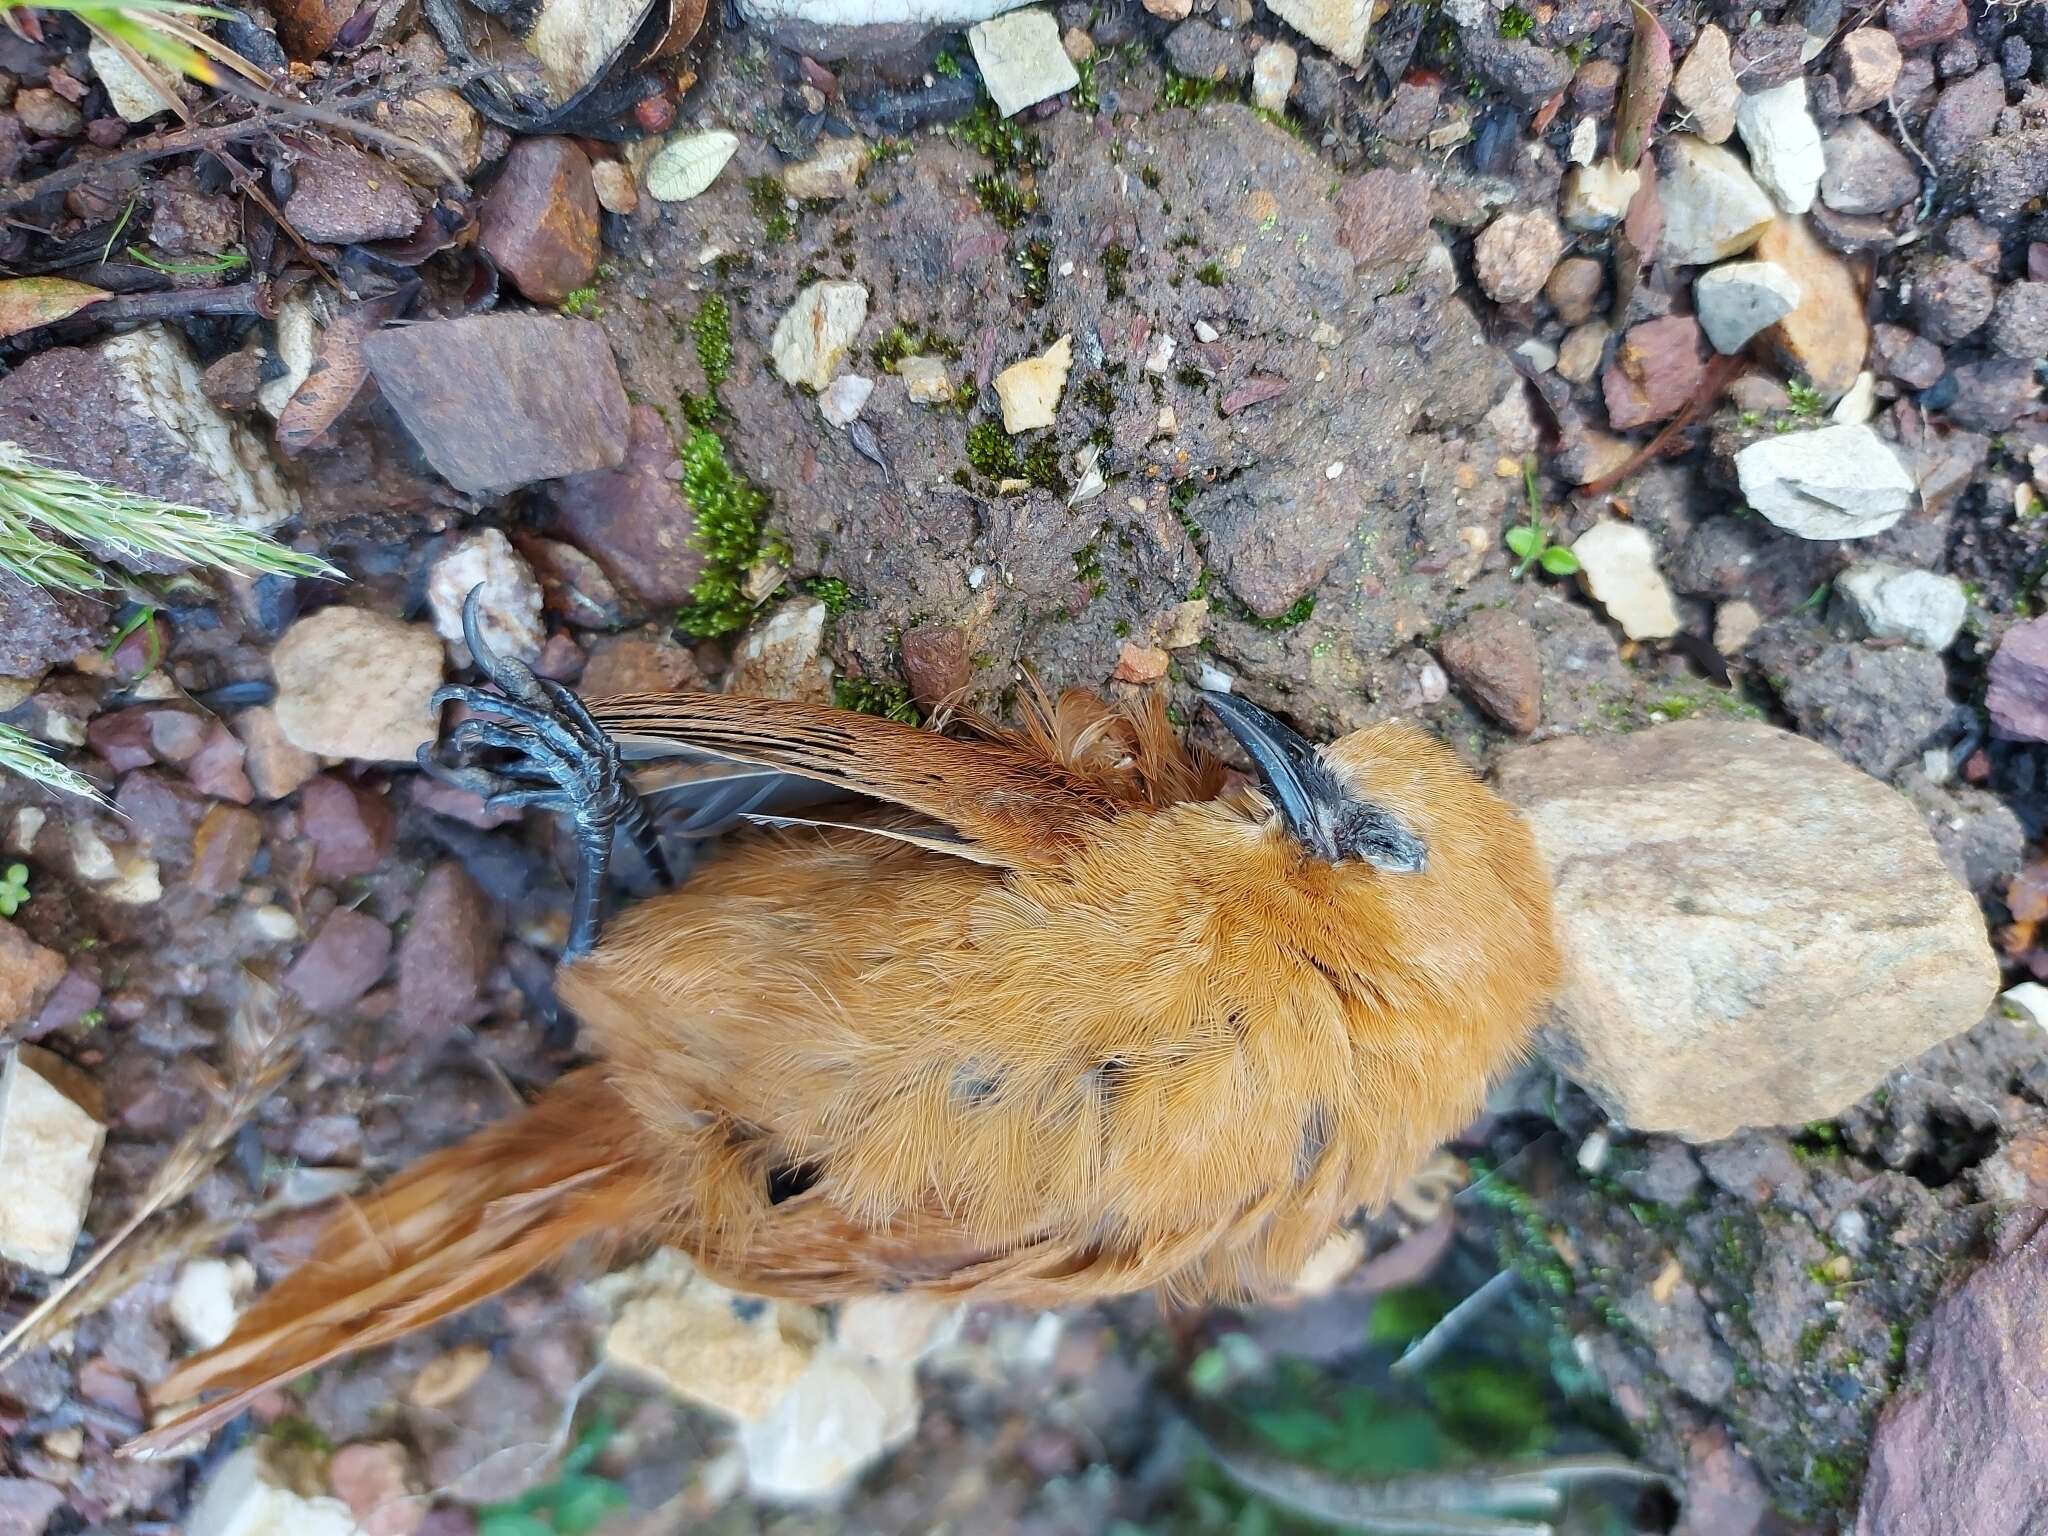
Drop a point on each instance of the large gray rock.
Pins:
(1755, 933)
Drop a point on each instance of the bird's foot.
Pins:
(550, 755)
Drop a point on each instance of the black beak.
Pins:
(1323, 816)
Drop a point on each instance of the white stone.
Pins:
(1896, 602)
(246, 1498)
(1784, 143)
(127, 875)
(1159, 356)
(1830, 483)
(1030, 391)
(1735, 301)
(1705, 85)
(1021, 58)
(1713, 207)
(1341, 26)
(841, 1416)
(874, 13)
(1585, 141)
(833, 172)
(924, 380)
(1618, 565)
(2031, 998)
(1273, 71)
(1596, 196)
(1205, 332)
(781, 656)
(897, 1330)
(297, 338)
(208, 1297)
(844, 399)
(508, 607)
(49, 1147)
(1538, 353)
(351, 683)
(814, 333)
(1859, 403)
(732, 1354)
(130, 92)
(159, 380)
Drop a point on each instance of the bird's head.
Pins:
(1333, 818)
(1395, 859)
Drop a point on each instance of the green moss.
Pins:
(1042, 466)
(1034, 272)
(1095, 395)
(581, 302)
(1088, 568)
(1209, 275)
(945, 66)
(700, 410)
(711, 330)
(1085, 96)
(1186, 91)
(1150, 176)
(1116, 261)
(1297, 613)
(891, 701)
(989, 450)
(1009, 146)
(1190, 375)
(765, 192)
(1184, 241)
(835, 594)
(1004, 201)
(1806, 400)
(729, 512)
(1516, 22)
(1832, 1478)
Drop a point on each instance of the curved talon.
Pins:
(508, 672)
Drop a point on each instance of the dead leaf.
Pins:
(685, 17)
(1642, 92)
(1643, 224)
(338, 371)
(27, 302)
(689, 163)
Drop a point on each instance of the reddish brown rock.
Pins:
(308, 28)
(447, 954)
(2018, 694)
(1655, 372)
(1139, 664)
(223, 848)
(501, 400)
(347, 957)
(28, 974)
(936, 663)
(216, 768)
(1916, 23)
(540, 219)
(647, 661)
(1491, 656)
(164, 810)
(633, 520)
(350, 829)
(341, 195)
(1963, 1444)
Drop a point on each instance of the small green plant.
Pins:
(1085, 96)
(729, 510)
(37, 499)
(1187, 91)
(945, 66)
(210, 266)
(574, 1504)
(13, 889)
(1009, 145)
(1004, 201)
(1531, 542)
(1209, 275)
(1516, 22)
(1806, 400)
(865, 696)
(1297, 612)
(580, 301)
(1116, 262)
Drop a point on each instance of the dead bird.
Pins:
(1039, 1014)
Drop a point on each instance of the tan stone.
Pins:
(1827, 336)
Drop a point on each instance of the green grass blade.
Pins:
(21, 753)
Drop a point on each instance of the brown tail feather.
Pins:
(453, 1229)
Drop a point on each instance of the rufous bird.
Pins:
(1045, 1014)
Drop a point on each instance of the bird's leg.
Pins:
(561, 760)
